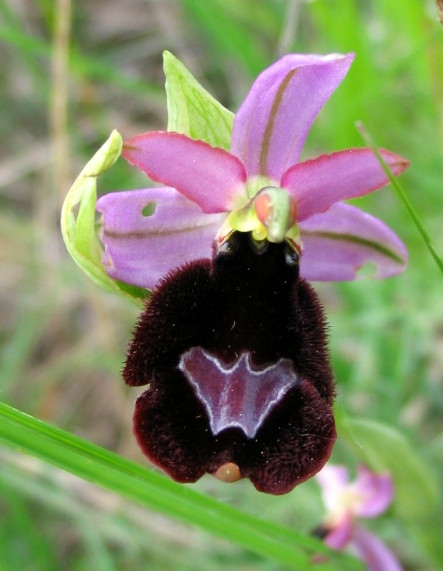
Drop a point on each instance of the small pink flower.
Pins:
(368, 496)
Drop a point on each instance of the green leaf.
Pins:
(100, 466)
(78, 221)
(191, 109)
(417, 500)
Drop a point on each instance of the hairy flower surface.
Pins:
(368, 496)
(234, 351)
(232, 343)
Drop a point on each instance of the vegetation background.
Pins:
(70, 73)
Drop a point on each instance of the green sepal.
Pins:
(78, 223)
(192, 111)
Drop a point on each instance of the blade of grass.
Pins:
(153, 490)
(22, 543)
(401, 194)
(58, 104)
(20, 484)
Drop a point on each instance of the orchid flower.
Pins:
(233, 340)
(368, 496)
(258, 186)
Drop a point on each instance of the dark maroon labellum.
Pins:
(234, 351)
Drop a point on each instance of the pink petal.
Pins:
(237, 394)
(141, 249)
(333, 480)
(375, 490)
(271, 126)
(210, 177)
(318, 183)
(340, 535)
(376, 555)
(338, 243)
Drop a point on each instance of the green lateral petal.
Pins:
(192, 111)
(78, 223)
(417, 499)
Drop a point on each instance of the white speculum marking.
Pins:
(236, 395)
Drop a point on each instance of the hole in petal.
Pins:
(367, 270)
(149, 209)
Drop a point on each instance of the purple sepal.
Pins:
(338, 243)
(271, 126)
(149, 232)
(376, 555)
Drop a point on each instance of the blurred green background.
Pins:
(72, 73)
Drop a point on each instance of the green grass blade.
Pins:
(154, 491)
(402, 195)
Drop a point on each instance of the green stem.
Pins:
(401, 194)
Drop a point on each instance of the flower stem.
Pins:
(401, 194)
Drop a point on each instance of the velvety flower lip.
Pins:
(247, 322)
(269, 132)
(368, 496)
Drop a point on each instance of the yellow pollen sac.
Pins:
(228, 472)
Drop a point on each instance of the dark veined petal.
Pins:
(342, 241)
(320, 182)
(271, 126)
(149, 232)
